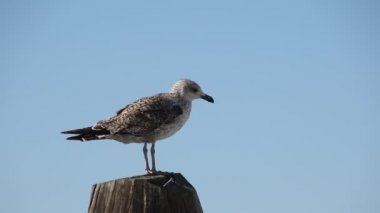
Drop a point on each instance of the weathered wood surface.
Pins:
(163, 192)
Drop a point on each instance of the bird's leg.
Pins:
(145, 150)
(152, 152)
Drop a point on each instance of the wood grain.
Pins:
(163, 192)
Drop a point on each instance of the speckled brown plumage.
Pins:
(143, 116)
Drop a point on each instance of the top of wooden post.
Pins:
(162, 192)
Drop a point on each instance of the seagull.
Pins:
(147, 120)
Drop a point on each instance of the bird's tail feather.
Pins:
(86, 134)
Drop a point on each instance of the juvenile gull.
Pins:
(147, 120)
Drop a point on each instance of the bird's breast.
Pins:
(168, 130)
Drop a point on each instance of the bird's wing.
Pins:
(143, 116)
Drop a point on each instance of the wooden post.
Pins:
(163, 192)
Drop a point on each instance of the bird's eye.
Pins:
(195, 90)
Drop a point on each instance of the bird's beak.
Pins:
(207, 98)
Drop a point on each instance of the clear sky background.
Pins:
(294, 128)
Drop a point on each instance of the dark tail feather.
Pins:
(86, 134)
(79, 131)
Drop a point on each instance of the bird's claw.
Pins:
(150, 172)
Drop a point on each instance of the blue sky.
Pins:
(295, 127)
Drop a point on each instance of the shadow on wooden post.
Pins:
(163, 192)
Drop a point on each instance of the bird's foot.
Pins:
(150, 171)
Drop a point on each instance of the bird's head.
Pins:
(190, 90)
